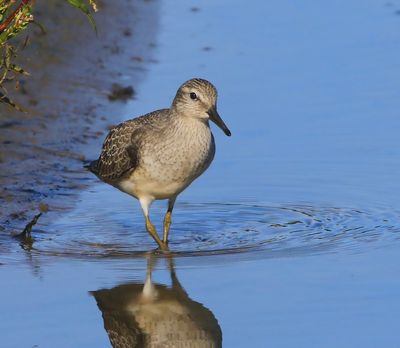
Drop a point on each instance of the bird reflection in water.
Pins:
(156, 315)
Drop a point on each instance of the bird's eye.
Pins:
(193, 96)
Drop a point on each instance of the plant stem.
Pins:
(4, 25)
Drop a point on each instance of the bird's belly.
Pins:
(142, 186)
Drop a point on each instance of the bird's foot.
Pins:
(163, 247)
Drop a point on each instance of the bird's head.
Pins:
(198, 98)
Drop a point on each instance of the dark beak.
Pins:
(218, 120)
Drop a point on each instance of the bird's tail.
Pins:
(92, 166)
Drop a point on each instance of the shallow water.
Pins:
(290, 238)
(249, 230)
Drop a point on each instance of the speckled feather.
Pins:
(120, 151)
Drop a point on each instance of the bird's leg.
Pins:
(167, 219)
(176, 285)
(152, 231)
(145, 203)
(149, 291)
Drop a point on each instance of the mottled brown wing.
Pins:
(121, 326)
(122, 330)
(119, 154)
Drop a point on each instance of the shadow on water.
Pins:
(149, 314)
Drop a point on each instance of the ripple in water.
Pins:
(207, 229)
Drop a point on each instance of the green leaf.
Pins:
(79, 4)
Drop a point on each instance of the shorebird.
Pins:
(158, 155)
(156, 315)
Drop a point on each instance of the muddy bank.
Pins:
(71, 98)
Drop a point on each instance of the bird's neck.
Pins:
(188, 125)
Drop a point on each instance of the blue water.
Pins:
(291, 238)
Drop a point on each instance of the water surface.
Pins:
(291, 238)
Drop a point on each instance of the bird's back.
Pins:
(120, 153)
(172, 319)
